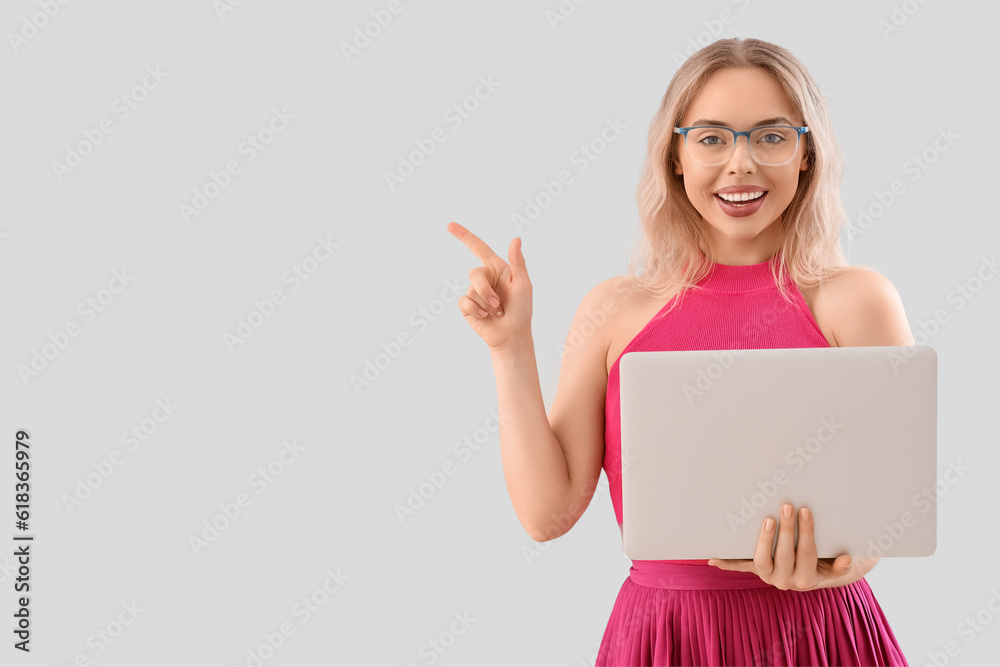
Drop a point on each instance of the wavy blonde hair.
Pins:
(674, 251)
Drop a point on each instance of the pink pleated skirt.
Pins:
(680, 614)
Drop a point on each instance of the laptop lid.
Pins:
(717, 440)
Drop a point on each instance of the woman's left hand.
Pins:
(794, 567)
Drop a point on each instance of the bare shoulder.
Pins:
(864, 308)
(628, 307)
(602, 315)
(610, 297)
(619, 291)
(602, 307)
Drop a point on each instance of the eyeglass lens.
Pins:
(711, 146)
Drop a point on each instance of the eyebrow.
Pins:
(766, 121)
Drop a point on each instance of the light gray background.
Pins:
(333, 507)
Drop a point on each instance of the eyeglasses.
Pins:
(770, 145)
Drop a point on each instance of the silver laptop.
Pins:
(714, 441)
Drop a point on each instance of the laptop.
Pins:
(714, 441)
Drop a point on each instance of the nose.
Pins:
(741, 161)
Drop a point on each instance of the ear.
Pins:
(804, 164)
(678, 169)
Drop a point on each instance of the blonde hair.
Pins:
(673, 242)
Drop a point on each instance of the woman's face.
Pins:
(741, 99)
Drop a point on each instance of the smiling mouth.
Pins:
(741, 199)
(742, 209)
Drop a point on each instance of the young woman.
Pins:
(741, 215)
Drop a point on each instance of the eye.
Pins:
(710, 137)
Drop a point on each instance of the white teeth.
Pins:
(743, 196)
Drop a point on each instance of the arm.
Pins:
(533, 462)
(552, 464)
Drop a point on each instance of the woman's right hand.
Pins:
(496, 286)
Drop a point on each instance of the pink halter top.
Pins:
(739, 308)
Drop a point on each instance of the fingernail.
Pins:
(499, 312)
(768, 523)
(494, 301)
(847, 566)
(805, 513)
(482, 313)
(786, 511)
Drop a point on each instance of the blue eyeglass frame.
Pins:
(736, 137)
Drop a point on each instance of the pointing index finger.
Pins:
(473, 242)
